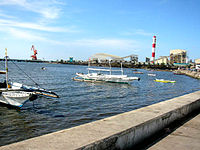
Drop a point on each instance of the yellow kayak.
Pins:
(164, 81)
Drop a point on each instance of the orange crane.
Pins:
(34, 57)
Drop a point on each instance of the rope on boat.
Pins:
(34, 91)
(25, 74)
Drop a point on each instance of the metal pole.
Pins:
(88, 66)
(6, 65)
(110, 66)
(122, 69)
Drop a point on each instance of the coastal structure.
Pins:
(134, 58)
(105, 58)
(178, 56)
(197, 63)
(190, 73)
(34, 56)
(71, 59)
(153, 49)
(162, 60)
(147, 59)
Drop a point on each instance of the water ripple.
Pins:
(81, 102)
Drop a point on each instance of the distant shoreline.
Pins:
(193, 74)
(160, 67)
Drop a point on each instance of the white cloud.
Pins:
(120, 47)
(101, 45)
(49, 9)
(108, 43)
(137, 32)
(87, 47)
(11, 23)
(82, 48)
(5, 15)
(25, 35)
(142, 32)
(98, 44)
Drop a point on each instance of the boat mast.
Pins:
(6, 66)
(122, 69)
(110, 66)
(88, 66)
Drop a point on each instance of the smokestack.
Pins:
(153, 49)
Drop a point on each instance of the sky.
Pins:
(60, 29)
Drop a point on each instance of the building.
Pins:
(178, 56)
(105, 58)
(197, 63)
(147, 60)
(134, 58)
(71, 59)
(162, 60)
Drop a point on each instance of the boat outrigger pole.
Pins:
(6, 66)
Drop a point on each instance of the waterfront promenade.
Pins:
(121, 131)
(186, 137)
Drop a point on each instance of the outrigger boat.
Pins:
(16, 94)
(164, 81)
(99, 76)
(151, 74)
(138, 72)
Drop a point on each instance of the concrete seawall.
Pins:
(117, 132)
(193, 74)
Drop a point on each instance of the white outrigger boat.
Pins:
(16, 94)
(100, 76)
(151, 74)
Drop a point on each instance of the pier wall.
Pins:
(117, 132)
(193, 74)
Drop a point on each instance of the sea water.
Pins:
(80, 102)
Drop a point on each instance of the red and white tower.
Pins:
(153, 49)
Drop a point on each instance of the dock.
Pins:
(126, 130)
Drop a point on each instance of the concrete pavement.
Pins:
(186, 137)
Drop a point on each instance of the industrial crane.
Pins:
(34, 57)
